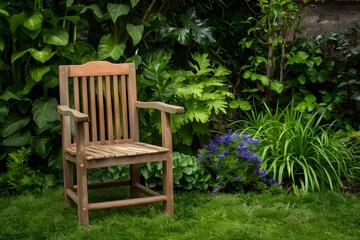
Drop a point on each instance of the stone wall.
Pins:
(331, 16)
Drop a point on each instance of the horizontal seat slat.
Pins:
(118, 150)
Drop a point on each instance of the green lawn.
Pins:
(198, 216)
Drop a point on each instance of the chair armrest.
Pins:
(160, 106)
(78, 116)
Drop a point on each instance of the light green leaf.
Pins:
(32, 34)
(18, 139)
(134, 2)
(43, 55)
(277, 86)
(222, 71)
(302, 79)
(34, 22)
(58, 37)
(44, 111)
(17, 55)
(264, 80)
(135, 32)
(42, 145)
(95, 9)
(247, 74)
(242, 104)
(117, 10)
(69, 3)
(109, 48)
(4, 13)
(2, 43)
(37, 73)
(217, 105)
(16, 20)
(310, 98)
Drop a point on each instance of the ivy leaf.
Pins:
(117, 10)
(41, 145)
(44, 111)
(43, 55)
(95, 9)
(37, 73)
(16, 20)
(264, 80)
(17, 55)
(58, 37)
(135, 32)
(34, 22)
(109, 48)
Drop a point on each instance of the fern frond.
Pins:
(217, 105)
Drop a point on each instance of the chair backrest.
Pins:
(107, 93)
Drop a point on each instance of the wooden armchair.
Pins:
(100, 98)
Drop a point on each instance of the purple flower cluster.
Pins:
(232, 161)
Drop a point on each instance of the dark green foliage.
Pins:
(202, 91)
(299, 150)
(20, 177)
(189, 175)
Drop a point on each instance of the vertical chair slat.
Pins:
(124, 104)
(109, 116)
(85, 105)
(101, 119)
(76, 93)
(93, 118)
(116, 107)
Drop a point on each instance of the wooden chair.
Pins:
(100, 98)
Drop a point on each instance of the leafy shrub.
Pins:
(203, 91)
(298, 149)
(188, 173)
(22, 178)
(233, 164)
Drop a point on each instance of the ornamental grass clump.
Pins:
(233, 164)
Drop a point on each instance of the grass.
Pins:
(327, 215)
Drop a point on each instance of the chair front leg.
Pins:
(134, 178)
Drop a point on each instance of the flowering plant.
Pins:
(233, 164)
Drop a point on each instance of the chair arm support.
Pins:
(76, 115)
(160, 106)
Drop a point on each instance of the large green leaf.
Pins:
(117, 10)
(13, 123)
(16, 20)
(44, 111)
(42, 145)
(95, 9)
(4, 110)
(135, 32)
(17, 55)
(37, 73)
(34, 22)
(43, 55)
(58, 37)
(109, 48)
(18, 139)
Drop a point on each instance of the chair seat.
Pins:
(119, 150)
